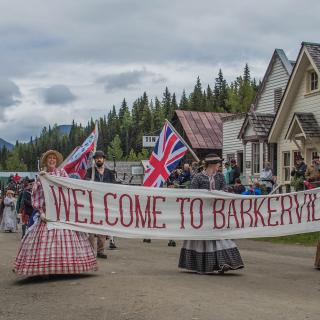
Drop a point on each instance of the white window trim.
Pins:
(253, 164)
(308, 83)
(283, 166)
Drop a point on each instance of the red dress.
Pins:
(55, 251)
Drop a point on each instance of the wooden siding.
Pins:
(231, 144)
(300, 103)
(278, 78)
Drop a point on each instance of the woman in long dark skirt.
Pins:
(208, 256)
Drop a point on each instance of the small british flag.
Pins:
(166, 155)
(80, 159)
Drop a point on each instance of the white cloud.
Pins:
(134, 45)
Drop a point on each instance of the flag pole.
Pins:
(189, 148)
(96, 129)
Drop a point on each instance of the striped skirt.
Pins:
(56, 251)
(210, 256)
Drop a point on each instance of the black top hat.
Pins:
(99, 153)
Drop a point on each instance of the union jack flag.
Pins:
(166, 155)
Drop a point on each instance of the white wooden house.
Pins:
(246, 135)
(296, 128)
(232, 146)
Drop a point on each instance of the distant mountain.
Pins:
(8, 145)
(64, 129)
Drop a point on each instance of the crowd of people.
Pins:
(45, 251)
(181, 178)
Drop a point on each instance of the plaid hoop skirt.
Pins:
(56, 251)
(210, 256)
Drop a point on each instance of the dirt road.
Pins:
(141, 281)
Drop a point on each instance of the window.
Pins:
(313, 81)
(286, 165)
(277, 98)
(255, 158)
(314, 155)
(240, 160)
(296, 154)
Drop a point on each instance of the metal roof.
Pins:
(203, 129)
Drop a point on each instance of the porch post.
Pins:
(244, 159)
(261, 155)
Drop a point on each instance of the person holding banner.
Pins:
(208, 256)
(45, 251)
(100, 174)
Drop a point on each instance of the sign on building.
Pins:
(149, 141)
(137, 170)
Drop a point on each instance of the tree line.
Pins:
(120, 132)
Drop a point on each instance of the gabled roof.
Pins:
(203, 129)
(312, 51)
(233, 116)
(307, 122)
(287, 64)
(260, 122)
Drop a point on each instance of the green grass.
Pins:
(306, 239)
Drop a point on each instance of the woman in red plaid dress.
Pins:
(53, 251)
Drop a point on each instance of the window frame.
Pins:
(255, 158)
(286, 168)
(313, 81)
(276, 103)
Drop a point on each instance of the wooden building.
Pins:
(296, 128)
(201, 130)
(246, 135)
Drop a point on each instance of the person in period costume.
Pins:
(235, 172)
(226, 172)
(266, 177)
(1, 208)
(9, 216)
(298, 173)
(101, 174)
(208, 256)
(26, 207)
(313, 172)
(45, 251)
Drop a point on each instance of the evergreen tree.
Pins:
(174, 104)
(15, 163)
(196, 97)
(166, 102)
(246, 73)
(210, 100)
(114, 149)
(220, 93)
(159, 115)
(132, 156)
(184, 102)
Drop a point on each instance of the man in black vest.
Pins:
(101, 174)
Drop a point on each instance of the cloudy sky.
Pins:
(62, 60)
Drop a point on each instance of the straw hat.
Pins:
(47, 154)
(10, 191)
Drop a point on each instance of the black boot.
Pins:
(112, 245)
(171, 243)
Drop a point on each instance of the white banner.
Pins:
(160, 213)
